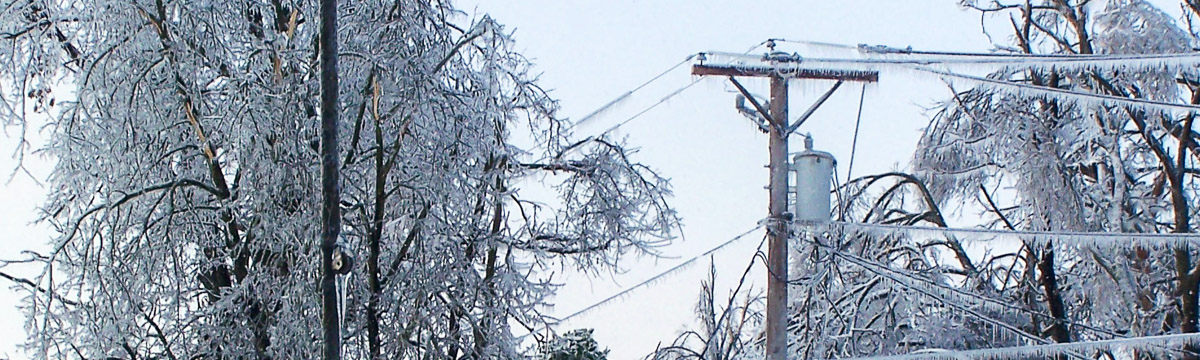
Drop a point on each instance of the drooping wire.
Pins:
(1086, 238)
(655, 278)
(888, 50)
(651, 107)
(649, 281)
(1076, 60)
(951, 304)
(660, 101)
(854, 143)
(1060, 92)
(877, 268)
(1048, 350)
(625, 95)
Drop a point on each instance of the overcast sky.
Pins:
(591, 51)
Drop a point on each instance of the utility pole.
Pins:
(331, 213)
(779, 68)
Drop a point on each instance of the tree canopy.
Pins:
(185, 191)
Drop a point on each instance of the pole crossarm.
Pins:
(786, 72)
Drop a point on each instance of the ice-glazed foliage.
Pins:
(1034, 157)
(185, 192)
(727, 326)
(1040, 161)
(576, 344)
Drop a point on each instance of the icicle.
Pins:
(1087, 100)
(1099, 239)
(1171, 62)
(1155, 344)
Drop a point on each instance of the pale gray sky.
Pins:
(591, 51)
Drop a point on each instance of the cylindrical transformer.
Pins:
(814, 176)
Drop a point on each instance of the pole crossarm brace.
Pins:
(811, 109)
(786, 72)
(761, 111)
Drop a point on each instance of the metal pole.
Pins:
(331, 214)
(777, 230)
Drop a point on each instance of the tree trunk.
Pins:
(1058, 326)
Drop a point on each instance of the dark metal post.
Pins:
(331, 214)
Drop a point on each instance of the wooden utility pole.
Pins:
(780, 69)
(331, 213)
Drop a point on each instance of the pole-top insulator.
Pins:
(771, 44)
(808, 145)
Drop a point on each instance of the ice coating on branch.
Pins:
(186, 177)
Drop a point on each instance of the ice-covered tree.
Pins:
(576, 344)
(1066, 164)
(185, 192)
(726, 327)
(1038, 147)
(1065, 138)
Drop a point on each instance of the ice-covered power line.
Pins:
(932, 68)
(1045, 351)
(1058, 62)
(651, 107)
(629, 93)
(1074, 238)
(889, 50)
(656, 278)
(939, 295)
(626, 95)
(1076, 96)
(653, 279)
(910, 280)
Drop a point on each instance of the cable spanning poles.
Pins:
(656, 278)
(653, 279)
(627, 94)
(779, 69)
(1041, 237)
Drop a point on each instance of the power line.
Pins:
(626, 95)
(1049, 350)
(944, 301)
(854, 143)
(888, 50)
(1055, 92)
(658, 277)
(670, 95)
(651, 107)
(1106, 60)
(650, 281)
(877, 268)
(923, 65)
(1086, 238)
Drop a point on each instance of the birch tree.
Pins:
(185, 193)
